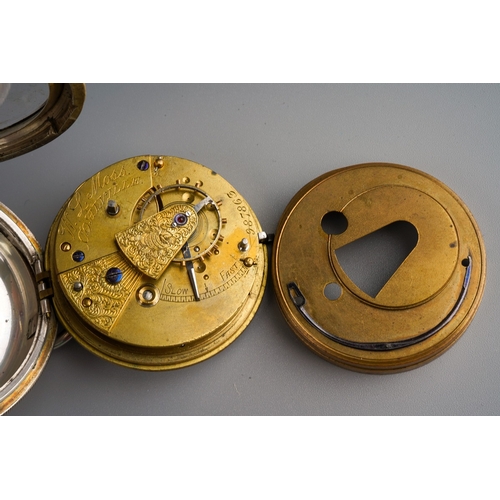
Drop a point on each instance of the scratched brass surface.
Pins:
(151, 319)
(418, 297)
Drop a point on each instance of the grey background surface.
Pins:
(268, 141)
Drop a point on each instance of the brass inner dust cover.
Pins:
(425, 305)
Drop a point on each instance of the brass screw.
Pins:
(159, 162)
(66, 247)
(248, 262)
(87, 302)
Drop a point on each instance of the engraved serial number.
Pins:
(243, 211)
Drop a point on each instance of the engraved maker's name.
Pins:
(86, 206)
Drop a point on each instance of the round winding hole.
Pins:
(334, 223)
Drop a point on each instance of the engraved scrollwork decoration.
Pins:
(152, 243)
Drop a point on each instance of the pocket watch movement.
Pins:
(156, 263)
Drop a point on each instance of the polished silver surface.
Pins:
(26, 328)
(19, 101)
(18, 310)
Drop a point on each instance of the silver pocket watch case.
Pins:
(31, 115)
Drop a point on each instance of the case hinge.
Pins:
(44, 287)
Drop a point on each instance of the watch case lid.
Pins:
(27, 326)
(31, 115)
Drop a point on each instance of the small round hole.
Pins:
(466, 262)
(332, 291)
(200, 267)
(334, 223)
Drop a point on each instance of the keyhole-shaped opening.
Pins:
(371, 260)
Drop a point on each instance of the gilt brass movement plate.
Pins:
(427, 302)
(156, 263)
